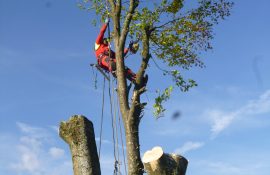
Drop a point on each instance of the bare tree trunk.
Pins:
(135, 166)
(78, 132)
(156, 162)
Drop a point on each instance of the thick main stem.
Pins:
(130, 118)
(135, 166)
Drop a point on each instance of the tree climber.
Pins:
(103, 52)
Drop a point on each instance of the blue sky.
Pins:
(45, 51)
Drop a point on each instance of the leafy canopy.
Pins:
(178, 32)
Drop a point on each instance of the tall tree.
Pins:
(172, 31)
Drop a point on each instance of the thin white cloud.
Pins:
(103, 141)
(221, 120)
(27, 128)
(55, 128)
(223, 168)
(56, 153)
(237, 166)
(28, 160)
(168, 131)
(260, 106)
(188, 146)
(34, 132)
(37, 155)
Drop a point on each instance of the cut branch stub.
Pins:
(78, 132)
(156, 162)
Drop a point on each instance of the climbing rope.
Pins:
(101, 123)
(117, 153)
(94, 77)
(113, 111)
(110, 96)
(112, 121)
(113, 115)
(115, 126)
(121, 136)
(163, 70)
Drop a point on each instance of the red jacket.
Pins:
(102, 54)
(102, 50)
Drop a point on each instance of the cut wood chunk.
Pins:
(152, 155)
(156, 162)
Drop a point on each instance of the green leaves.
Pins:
(163, 97)
(177, 34)
(183, 84)
(212, 10)
(99, 6)
(183, 34)
(179, 80)
(175, 6)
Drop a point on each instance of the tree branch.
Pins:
(163, 25)
(140, 87)
(120, 38)
(112, 4)
(145, 55)
(118, 9)
(133, 5)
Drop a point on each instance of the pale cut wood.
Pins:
(156, 162)
(152, 155)
(78, 132)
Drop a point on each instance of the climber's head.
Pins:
(105, 41)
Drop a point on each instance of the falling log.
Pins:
(78, 132)
(156, 162)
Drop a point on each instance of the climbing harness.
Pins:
(101, 71)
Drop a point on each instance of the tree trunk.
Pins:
(156, 162)
(78, 132)
(135, 166)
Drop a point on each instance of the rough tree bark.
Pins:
(156, 162)
(130, 113)
(78, 132)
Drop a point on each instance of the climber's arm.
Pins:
(101, 34)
